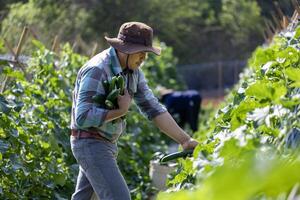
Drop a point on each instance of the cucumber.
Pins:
(112, 84)
(173, 156)
(121, 84)
(113, 95)
(106, 86)
(109, 104)
(99, 98)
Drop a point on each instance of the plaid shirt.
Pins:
(87, 116)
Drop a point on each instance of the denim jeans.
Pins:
(98, 170)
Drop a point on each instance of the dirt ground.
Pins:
(212, 97)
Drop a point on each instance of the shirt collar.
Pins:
(114, 61)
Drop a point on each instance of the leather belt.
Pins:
(86, 134)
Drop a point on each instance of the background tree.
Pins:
(197, 30)
(47, 19)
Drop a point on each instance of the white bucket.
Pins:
(158, 174)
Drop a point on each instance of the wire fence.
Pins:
(220, 75)
(212, 75)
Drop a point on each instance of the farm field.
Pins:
(249, 148)
(248, 135)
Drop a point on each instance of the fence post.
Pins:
(285, 22)
(295, 16)
(3, 84)
(21, 42)
(55, 44)
(74, 46)
(15, 55)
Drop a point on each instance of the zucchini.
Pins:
(109, 104)
(99, 99)
(106, 86)
(113, 95)
(121, 84)
(112, 84)
(173, 156)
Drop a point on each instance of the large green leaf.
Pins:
(294, 75)
(264, 89)
(238, 115)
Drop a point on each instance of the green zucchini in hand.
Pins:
(99, 99)
(106, 84)
(113, 88)
(112, 83)
(121, 84)
(180, 154)
(113, 95)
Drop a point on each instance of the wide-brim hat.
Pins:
(134, 37)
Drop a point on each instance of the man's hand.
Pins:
(167, 125)
(124, 101)
(189, 144)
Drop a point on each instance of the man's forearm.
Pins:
(114, 114)
(167, 125)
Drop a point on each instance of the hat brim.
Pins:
(131, 48)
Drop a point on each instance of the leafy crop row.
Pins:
(247, 149)
(35, 151)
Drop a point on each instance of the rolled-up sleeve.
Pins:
(145, 99)
(87, 114)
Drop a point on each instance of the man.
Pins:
(95, 130)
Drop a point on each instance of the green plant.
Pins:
(36, 160)
(246, 142)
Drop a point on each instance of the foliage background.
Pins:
(198, 31)
(35, 157)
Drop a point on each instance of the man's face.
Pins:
(135, 60)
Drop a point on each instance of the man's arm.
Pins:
(114, 114)
(145, 99)
(151, 107)
(87, 114)
(123, 103)
(167, 125)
